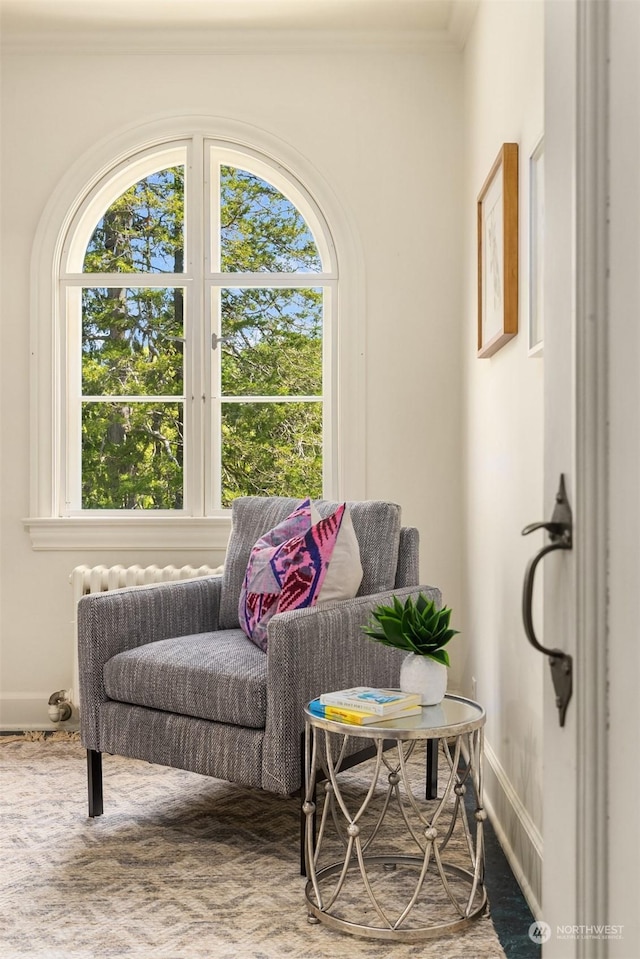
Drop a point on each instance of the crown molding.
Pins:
(210, 41)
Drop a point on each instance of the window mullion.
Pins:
(292, 281)
(330, 427)
(271, 398)
(214, 438)
(71, 421)
(194, 311)
(212, 196)
(212, 357)
(127, 280)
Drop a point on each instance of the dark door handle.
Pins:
(527, 598)
(560, 530)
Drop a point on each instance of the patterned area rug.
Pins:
(180, 866)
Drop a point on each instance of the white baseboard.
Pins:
(517, 834)
(29, 711)
(38, 727)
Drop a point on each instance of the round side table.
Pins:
(436, 888)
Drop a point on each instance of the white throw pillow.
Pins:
(344, 575)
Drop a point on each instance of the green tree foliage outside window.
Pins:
(133, 428)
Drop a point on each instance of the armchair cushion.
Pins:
(218, 676)
(376, 525)
(290, 566)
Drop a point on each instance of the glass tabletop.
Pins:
(454, 716)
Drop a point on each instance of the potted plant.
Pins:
(422, 631)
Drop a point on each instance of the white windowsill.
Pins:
(128, 532)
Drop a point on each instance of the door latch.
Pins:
(560, 530)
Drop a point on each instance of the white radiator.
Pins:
(100, 579)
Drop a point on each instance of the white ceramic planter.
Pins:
(421, 674)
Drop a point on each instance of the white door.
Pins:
(574, 595)
(559, 571)
(590, 887)
(623, 777)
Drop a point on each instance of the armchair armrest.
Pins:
(122, 619)
(312, 651)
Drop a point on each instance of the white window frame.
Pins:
(86, 192)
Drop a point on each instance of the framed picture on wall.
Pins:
(536, 250)
(498, 253)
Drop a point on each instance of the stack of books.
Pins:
(366, 705)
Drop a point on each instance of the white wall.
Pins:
(384, 131)
(503, 439)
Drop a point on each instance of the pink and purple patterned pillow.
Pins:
(287, 568)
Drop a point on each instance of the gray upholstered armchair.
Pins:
(167, 675)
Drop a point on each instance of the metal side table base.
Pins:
(391, 894)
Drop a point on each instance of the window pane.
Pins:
(271, 449)
(132, 456)
(132, 342)
(260, 229)
(272, 342)
(143, 230)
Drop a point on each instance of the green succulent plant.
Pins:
(417, 627)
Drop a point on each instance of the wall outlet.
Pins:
(473, 687)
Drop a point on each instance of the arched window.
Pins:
(196, 287)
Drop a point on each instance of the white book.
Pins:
(369, 699)
(357, 717)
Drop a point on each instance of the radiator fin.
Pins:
(100, 579)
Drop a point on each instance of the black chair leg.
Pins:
(94, 780)
(431, 790)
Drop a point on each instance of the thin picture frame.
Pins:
(536, 250)
(497, 211)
